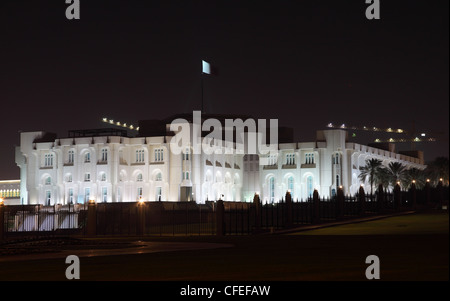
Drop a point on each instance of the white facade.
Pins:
(123, 169)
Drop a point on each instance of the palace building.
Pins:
(110, 165)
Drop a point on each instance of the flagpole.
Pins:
(202, 91)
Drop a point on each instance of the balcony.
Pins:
(308, 165)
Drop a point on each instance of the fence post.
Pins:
(362, 200)
(92, 219)
(2, 221)
(340, 202)
(141, 218)
(397, 197)
(220, 218)
(257, 208)
(288, 209)
(380, 198)
(316, 209)
(440, 193)
(413, 195)
(427, 193)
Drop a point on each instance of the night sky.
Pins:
(306, 63)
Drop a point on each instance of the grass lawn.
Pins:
(412, 224)
(411, 247)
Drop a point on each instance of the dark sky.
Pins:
(306, 63)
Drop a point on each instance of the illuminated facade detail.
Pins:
(117, 168)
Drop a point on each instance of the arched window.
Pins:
(48, 181)
(103, 177)
(337, 181)
(158, 177)
(309, 186)
(272, 189)
(87, 157)
(139, 177)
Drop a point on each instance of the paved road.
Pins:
(139, 247)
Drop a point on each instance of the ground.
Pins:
(413, 247)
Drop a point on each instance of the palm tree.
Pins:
(438, 169)
(370, 172)
(397, 173)
(416, 175)
(383, 177)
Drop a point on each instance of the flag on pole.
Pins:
(208, 69)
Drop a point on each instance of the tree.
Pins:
(438, 169)
(370, 172)
(396, 172)
(417, 175)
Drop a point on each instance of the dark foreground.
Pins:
(406, 255)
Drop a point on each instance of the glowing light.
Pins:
(414, 181)
(377, 140)
(1, 201)
(416, 139)
(105, 119)
(391, 140)
(330, 125)
(399, 131)
(141, 201)
(389, 130)
(91, 201)
(111, 121)
(440, 179)
(118, 123)
(428, 180)
(343, 126)
(398, 182)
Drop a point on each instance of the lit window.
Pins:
(104, 194)
(87, 158)
(309, 186)
(48, 197)
(186, 154)
(139, 192)
(87, 177)
(158, 177)
(186, 175)
(290, 159)
(291, 185)
(272, 189)
(48, 181)
(103, 177)
(70, 198)
(87, 194)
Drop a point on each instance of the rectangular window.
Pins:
(87, 177)
(70, 198)
(158, 193)
(104, 194)
(159, 155)
(186, 175)
(290, 159)
(71, 157)
(87, 194)
(139, 193)
(48, 197)
(48, 160)
(140, 156)
(104, 155)
(87, 158)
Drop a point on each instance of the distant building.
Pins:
(10, 192)
(108, 165)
